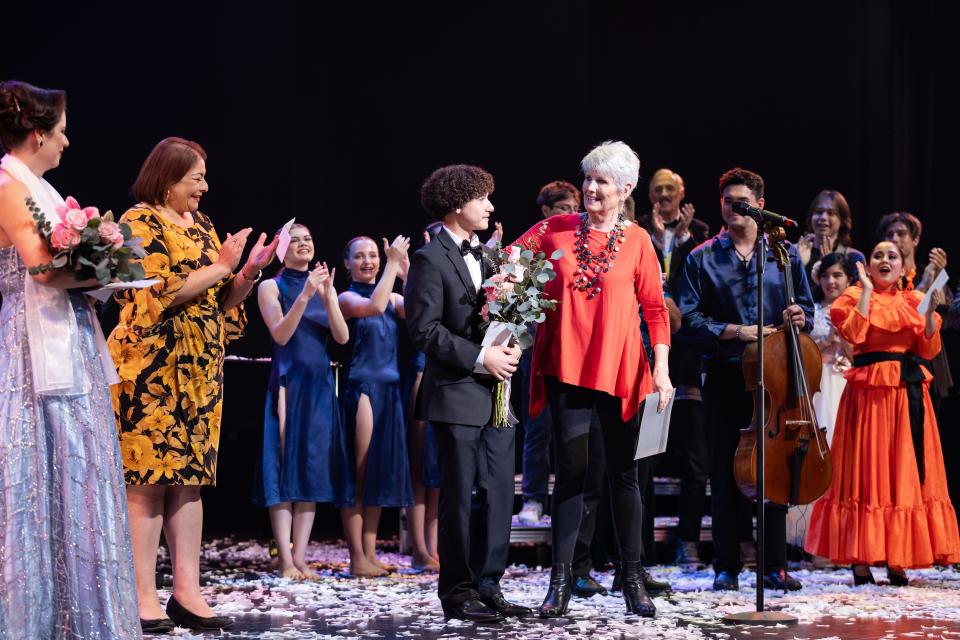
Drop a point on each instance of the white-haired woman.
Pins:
(589, 356)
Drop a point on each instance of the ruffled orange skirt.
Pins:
(876, 511)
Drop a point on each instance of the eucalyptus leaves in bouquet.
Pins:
(515, 300)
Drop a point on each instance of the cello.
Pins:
(797, 464)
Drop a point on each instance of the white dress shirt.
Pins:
(473, 266)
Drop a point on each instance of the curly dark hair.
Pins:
(553, 192)
(25, 108)
(749, 179)
(449, 188)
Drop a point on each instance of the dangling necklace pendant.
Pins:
(591, 266)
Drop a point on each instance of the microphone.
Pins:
(745, 209)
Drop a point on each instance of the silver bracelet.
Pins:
(739, 329)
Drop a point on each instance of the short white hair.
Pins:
(613, 159)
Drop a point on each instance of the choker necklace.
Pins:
(590, 266)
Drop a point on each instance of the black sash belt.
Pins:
(912, 375)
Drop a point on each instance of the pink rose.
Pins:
(110, 231)
(71, 204)
(490, 293)
(64, 237)
(75, 218)
(514, 254)
(485, 312)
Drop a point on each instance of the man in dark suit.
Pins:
(675, 232)
(443, 302)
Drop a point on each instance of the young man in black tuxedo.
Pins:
(443, 302)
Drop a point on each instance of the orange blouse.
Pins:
(596, 343)
(893, 326)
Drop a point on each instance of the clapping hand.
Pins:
(319, 280)
(687, 212)
(937, 263)
(396, 251)
(260, 256)
(865, 280)
(657, 221)
(232, 249)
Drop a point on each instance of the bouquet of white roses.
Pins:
(514, 301)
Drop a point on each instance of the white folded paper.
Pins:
(284, 240)
(106, 291)
(938, 283)
(654, 427)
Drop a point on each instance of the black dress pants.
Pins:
(728, 408)
(572, 409)
(474, 531)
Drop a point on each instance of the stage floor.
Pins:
(239, 581)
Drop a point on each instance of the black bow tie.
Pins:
(476, 250)
(672, 224)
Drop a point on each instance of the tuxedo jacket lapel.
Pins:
(453, 254)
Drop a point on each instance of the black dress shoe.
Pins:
(634, 594)
(653, 586)
(726, 581)
(781, 581)
(501, 605)
(184, 618)
(157, 626)
(860, 580)
(557, 600)
(586, 587)
(472, 611)
(897, 578)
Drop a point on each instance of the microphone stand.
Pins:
(759, 616)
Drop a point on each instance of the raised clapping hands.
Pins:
(396, 251)
(937, 263)
(865, 280)
(232, 249)
(500, 361)
(657, 221)
(320, 280)
(260, 256)
(687, 212)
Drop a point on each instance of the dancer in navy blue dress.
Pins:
(373, 411)
(302, 458)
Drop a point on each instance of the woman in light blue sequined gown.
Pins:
(65, 560)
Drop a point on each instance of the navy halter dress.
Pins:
(311, 465)
(373, 372)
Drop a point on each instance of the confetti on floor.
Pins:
(240, 581)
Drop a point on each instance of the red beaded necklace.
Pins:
(590, 266)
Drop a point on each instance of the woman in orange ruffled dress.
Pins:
(888, 504)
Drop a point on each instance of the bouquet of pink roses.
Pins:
(514, 301)
(91, 245)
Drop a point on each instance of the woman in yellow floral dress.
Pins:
(168, 348)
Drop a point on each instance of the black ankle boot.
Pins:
(634, 594)
(558, 595)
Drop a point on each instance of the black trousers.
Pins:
(592, 495)
(474, 531)
(688, 448)
(729, 408)
(572, 410)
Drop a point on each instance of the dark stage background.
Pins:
(335, 113)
